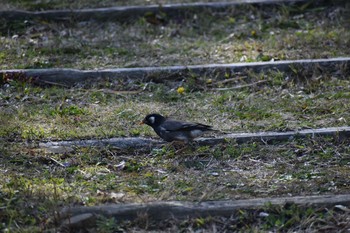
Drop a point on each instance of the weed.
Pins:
(107, 225)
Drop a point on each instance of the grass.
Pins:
(279, 33)
(32, 112)
(36, 183)
(90, 176)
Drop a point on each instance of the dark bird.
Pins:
(172, 130)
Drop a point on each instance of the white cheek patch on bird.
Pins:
(151, 120)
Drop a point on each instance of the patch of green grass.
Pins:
(280, 104)
(281, 218)
(107, 225)
(71, 110)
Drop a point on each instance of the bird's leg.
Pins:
(187, 144)
(172, 145)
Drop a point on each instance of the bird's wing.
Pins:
(171, 125)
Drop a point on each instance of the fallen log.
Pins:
(157, 211)
(161, 74)
(137, 143)
(125, 13)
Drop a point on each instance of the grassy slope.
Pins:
(36, 183)
(240, 34)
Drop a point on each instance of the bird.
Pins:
(173, 130)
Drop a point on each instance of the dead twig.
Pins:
(108, 91)
(56, 161)
(239, 86)
(232, 79)
(50, 83)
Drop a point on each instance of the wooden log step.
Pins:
(158, 211)
(160, 74)
(125, 13)
(136, 143)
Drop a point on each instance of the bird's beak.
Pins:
(141, 123)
